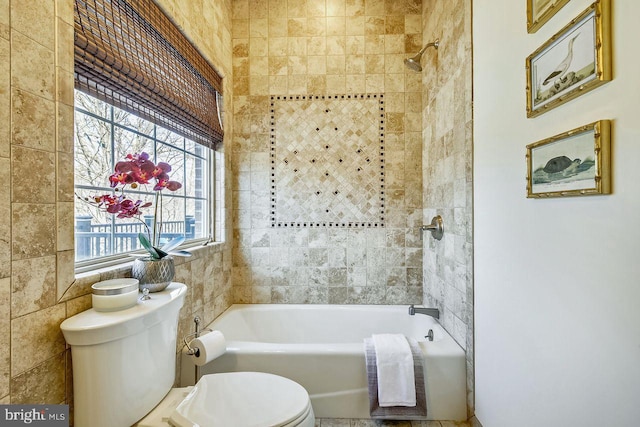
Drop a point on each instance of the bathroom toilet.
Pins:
(124, 369)
(235, 399)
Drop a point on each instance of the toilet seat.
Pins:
(243, 399)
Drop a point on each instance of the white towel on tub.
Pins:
(396, 379)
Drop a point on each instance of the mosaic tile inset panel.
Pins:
(327, 161)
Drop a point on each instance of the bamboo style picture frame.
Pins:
(573, 163)
(540, 11)
(574, 61)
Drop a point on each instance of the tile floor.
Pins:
(343, 422)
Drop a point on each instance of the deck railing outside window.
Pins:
(95, 240)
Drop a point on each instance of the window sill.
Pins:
(91, 274)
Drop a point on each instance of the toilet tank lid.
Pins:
(93, 327)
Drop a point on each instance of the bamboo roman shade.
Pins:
(129, 54)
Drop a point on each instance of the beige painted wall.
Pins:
(318, 48)
(556, 317)
(38, 289)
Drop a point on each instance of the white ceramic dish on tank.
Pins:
(114, 294)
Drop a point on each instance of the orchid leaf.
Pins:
(181, 253)
(147, 245)
(174, 243)
(161, 253)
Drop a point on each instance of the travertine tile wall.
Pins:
(327, 161)
(321, 47)
(208, 25)
(447, 170)
(279, 47)
(38, 289)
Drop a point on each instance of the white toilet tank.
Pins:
(123, 361)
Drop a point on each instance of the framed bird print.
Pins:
(540, 11)
(574, 163)
(574, 61)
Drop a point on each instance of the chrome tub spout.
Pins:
(433, 312)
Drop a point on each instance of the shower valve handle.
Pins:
(436, 227)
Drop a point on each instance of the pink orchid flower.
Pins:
(134, 170)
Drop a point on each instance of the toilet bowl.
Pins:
(239, 399)
(124, 368)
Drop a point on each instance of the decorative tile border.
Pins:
(327, 160)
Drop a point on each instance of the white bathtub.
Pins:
(321, 348)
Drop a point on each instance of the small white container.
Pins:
(114, 294)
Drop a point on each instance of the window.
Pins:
(142, 87)
(105, 134)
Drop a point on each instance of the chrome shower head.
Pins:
(413, 63)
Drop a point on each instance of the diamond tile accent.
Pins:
(327, 160)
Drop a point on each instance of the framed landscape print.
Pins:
(574, 61)
(540, 11)
(574, 163)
